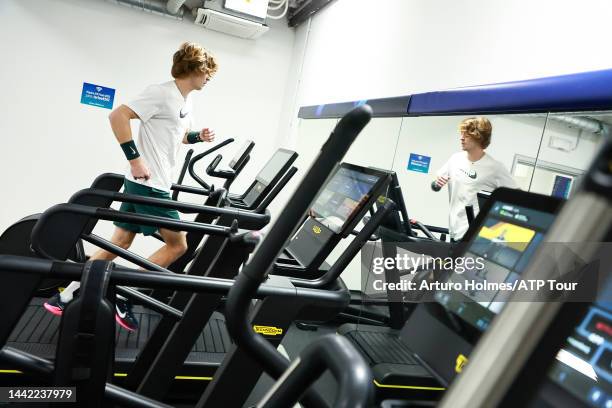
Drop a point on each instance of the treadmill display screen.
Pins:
(342, 197)
(505, 243)
(584, 366)
(240, 153)
(274, 166)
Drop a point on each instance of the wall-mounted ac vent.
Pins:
(228, 24)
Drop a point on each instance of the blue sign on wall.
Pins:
(97, 95)
(419, 163)
(561, 187)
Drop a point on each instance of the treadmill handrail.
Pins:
(183, 171)
(114, 215)
(200, 156)
(189, 189)
(277, 189)
(177, 282)
(424, 229)
(255, 271)
(211, 169)
(336, 354)
(186, 208)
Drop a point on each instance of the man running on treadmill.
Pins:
(165, 114)
(470, 171)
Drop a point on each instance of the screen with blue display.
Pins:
(342, 197)
(584, 366)
(509, 236)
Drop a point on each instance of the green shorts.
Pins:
(130, 187)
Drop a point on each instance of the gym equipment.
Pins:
(295, 299)
(277, 170)
(240, 159)
(417, 356)
(75, 222)
(520, 345)
(15, 240)
(345, 198)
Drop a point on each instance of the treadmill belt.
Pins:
(38, 330)
(382, 348)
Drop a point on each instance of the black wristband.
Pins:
(435, 186)
(130, 150)
(193, 137)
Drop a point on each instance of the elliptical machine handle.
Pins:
(211, 170)
(202, 155)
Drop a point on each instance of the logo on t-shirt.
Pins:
(183, 115)
(471, 174)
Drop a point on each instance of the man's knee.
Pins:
(123, 239)
(179, 247)
(178, 244)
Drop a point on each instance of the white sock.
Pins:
(67, 294)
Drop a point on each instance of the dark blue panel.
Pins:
(575, 92)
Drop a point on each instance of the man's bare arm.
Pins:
(120, 124)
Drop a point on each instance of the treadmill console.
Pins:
(274, 169)
(339, 206)
(583, 368)
(344, 195)
(504, 243)
(245, 149)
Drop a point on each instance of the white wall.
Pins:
(363, 49)
(52, 145)
(360, 49)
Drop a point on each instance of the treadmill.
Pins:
(236, 165)
(277, 170)
(330, 299)
(207, 348)
(37, 330)
(349, 194)
(419, 360)
(554, 351)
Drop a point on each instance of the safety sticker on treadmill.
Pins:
(268, 330)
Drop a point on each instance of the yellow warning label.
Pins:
(382, 199)
(460, 363)
(316, 229)
(268, 330)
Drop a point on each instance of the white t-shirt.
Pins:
(466, 179)
(165, 117)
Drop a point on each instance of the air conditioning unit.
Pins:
(229, 24)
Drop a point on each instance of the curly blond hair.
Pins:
(479, 129)
(192, 58)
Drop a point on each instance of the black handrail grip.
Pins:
(189, 189)
(211, 170)
(424, 229)
(198, 157)
(153, 279)
(152, 220)
(186, 208)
